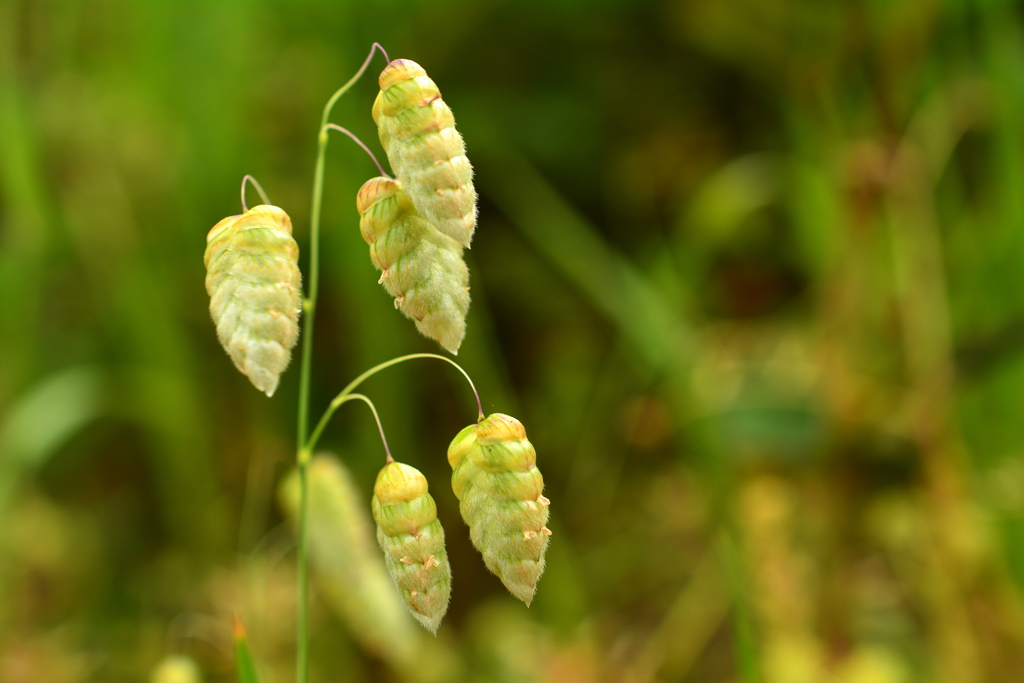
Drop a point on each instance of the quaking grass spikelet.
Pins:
(253, 279)
(428, 155)
(422, 268)
(412, 539)
(495, 478)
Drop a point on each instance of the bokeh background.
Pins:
(751, 273)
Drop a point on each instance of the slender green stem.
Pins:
(302, 629)
(346, 393)
(309, 305)
(309, 308)
(343, 89)
(743, 628)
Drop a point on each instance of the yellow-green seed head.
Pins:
(413, 542)
(253, 279)
(428, 155)
(422, 268)
(495, 478)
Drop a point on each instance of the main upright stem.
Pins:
(309, 308)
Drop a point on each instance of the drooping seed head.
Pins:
(495, 478)
(253, 279)
(428, 155)
(412, 539)
(422, 268)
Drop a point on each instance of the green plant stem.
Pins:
(743, 627)
(302, 628)
(309, 308)
(309, 305)
(347, 394)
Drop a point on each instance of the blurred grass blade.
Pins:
(563, 235)
(743, 627)
(689, 624)
(43, 420)
(50, 413)
(732, 194)
(245, 667)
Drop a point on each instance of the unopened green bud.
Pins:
(253, 279)
(412, 539)
(495, 478)
(422, 268)
(428, 155)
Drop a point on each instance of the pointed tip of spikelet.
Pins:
(524, 592)
(429, 623)
(521, 579)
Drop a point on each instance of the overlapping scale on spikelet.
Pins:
(348, 567)
(253, 279)
(422, 268)
(495, 478)
(412, 539)
(427, 154)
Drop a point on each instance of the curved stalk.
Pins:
(346, 393)
(376, 417)
(259, 188)
(346, 131)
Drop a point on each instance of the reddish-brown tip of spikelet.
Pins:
(373, 191)
(237, 627)
(399, 70)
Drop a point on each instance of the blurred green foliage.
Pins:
(749, 272)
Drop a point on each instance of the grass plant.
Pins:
(253, 281)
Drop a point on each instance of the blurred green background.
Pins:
(751, 273)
